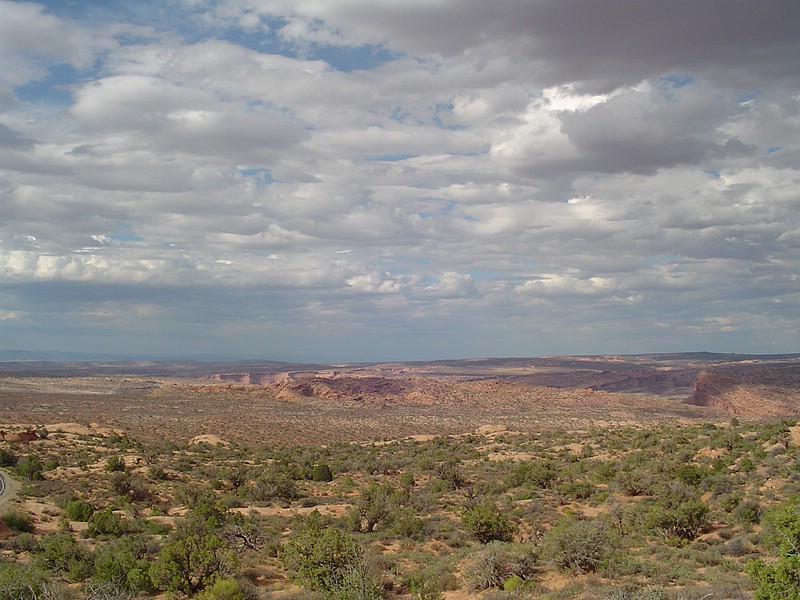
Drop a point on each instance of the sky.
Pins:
(365, 180)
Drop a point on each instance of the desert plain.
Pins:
(447, 479)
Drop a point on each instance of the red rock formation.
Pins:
(756, 392)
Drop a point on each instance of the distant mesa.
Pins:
(749, 391)
(241, 378)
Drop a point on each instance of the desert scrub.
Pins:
(579, 546)
(107, 523)
(679, 513)
(434, 577)
(575, 490)
(78, 510)
(630, 593)
(273, 484)
(18, 521)
(124, 563)
(497, 562)
(115, 463)
(482, 519)
(7, 458)
(327, 559)
(30, 467)
(535, 474)
(23, 582)
(748, 512)
(61, 554)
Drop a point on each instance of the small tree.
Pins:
(374, 507)
(329, 560)
(321, 472)
(483, 520)
(193, 557)
(78, 510)
(124, 564)
(679, 513)
(781, 578)
(106, 523)
(30, 467)
(62, 554)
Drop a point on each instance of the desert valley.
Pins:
(625, 477)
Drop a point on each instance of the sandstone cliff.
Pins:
(751, 392)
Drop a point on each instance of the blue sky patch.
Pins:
(124, 233)
(261, 174)
(52, 89)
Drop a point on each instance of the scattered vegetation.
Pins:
(660, 512)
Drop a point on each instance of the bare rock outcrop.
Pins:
(365, 390)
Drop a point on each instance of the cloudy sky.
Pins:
(374, 179)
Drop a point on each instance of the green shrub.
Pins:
(433, 579)
(321, 472)
(486, 523)
(497, 562)
(24, 542)
(691, 474)
(78, 510)
(157, 473)
(62, 554)
(576, 490)
(124, 563)
(7, 458)
(18, 521)
(329, 560)
(115, 463)
(776, 581)
(684, 521)
(273, 485)
(538, 474)
(747, 512)
(424, 588)
(20, 581)
(406, 524)
(779, 578)
(107, 522)
(30, 467)
(407, 481)
(579, 546)
(227, 589)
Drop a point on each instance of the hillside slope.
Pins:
(749, 392)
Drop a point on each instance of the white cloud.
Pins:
(485, 179)
(9, 315)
